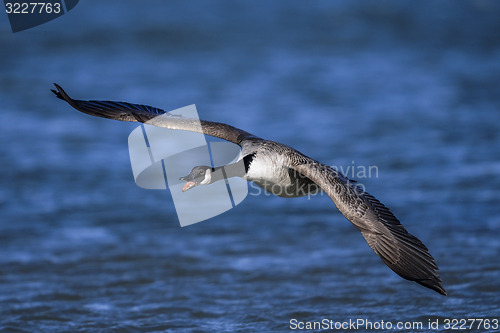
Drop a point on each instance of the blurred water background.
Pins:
(410, 87)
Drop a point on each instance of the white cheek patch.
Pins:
(207, 179)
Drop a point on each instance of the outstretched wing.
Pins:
(143, 113)
(402, 252)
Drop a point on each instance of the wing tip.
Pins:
(434, 284)
(57, 92)
(60, 93)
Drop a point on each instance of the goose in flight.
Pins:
(286, 172)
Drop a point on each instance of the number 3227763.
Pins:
(33, 8)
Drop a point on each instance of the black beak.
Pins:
(188, 178)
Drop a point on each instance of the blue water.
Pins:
(409, 87)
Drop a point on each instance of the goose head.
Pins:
(199, 175)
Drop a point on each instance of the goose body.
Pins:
(269, 170)
(286, 172)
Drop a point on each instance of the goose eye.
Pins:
(202, 172)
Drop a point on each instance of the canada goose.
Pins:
(284, 171)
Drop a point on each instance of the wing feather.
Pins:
(402, 252)
(144, 113)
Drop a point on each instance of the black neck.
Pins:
(228, 171)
